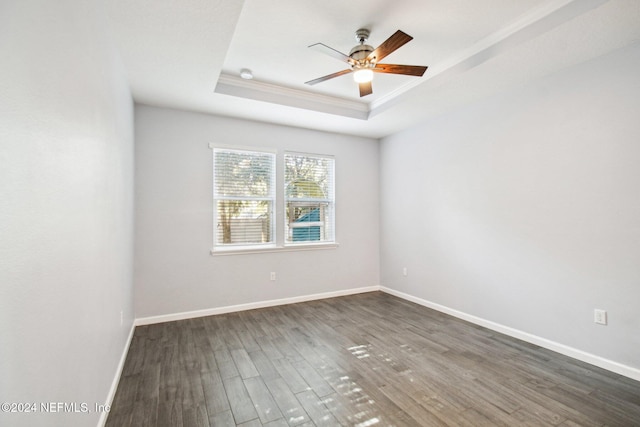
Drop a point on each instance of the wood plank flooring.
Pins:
(364, 360)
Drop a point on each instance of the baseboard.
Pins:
(601, 362)
(250, 306)
(116, 379)
(592, 359)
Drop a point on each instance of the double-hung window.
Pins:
(244, 198)
(251, 212)
(309, 198)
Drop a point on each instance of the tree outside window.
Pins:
(244, 183)
(309, 198)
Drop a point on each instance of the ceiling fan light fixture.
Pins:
(363, 75)
(364, 60)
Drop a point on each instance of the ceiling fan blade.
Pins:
(323, 48)
(365, 89)
(409, 70)
(394, 42)
(327, 77)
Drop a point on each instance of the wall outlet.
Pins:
(404, 271)
(600, 316)
(273, 276)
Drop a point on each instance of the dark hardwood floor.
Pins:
(362, 360)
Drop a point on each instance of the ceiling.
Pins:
(187, 54)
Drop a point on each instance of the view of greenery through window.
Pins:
(244, 197)
(244, 184)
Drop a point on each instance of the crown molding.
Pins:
(268, 92)
(539, 20)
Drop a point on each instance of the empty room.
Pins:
(300, 213)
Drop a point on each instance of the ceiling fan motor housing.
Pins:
(361, 51)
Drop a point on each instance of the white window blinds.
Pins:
(244, 197)
(309, 198)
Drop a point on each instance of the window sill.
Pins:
(246, 250)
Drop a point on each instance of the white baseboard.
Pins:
(116, 379)
(601, 362)
(250, 306)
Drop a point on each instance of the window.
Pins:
(309, 198)
(244, 197)
(251, 213)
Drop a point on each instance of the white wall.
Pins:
(174, 272)
(66, 209)
(524, 209)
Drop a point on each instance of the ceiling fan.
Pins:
(364, 60)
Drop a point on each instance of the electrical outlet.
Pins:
(273, 276)
(404, 271)
(600, 316)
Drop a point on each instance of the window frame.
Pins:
(278, 217)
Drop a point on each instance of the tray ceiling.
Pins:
(189, 55)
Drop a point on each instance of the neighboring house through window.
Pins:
(309, 198)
